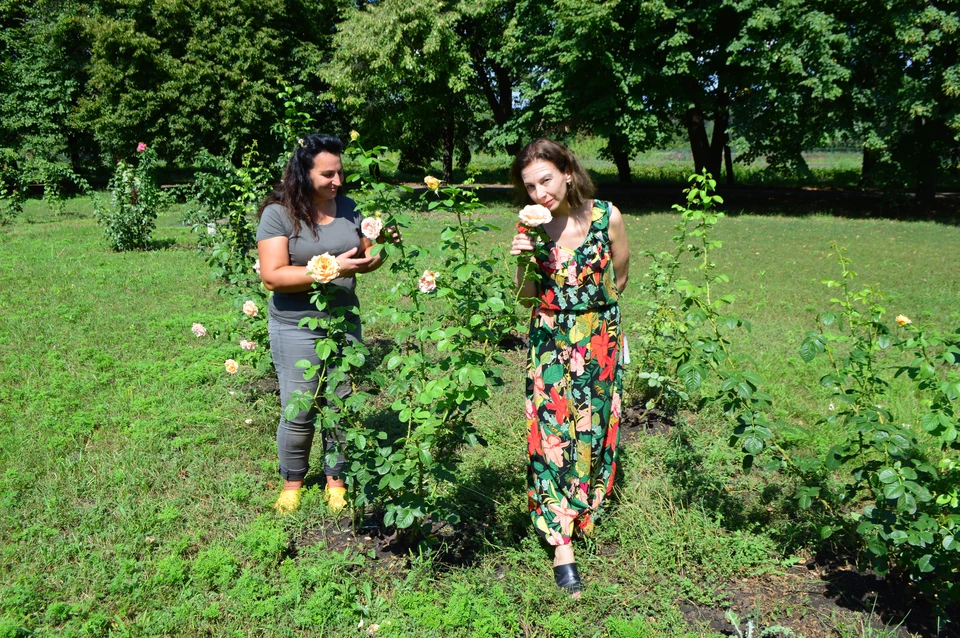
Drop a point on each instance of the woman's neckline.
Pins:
(593, 204)
(329, 221)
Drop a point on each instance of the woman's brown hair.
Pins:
(295, 192)
(581, 187)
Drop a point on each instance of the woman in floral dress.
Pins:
(573, 281)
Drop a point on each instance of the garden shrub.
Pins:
(135, 202)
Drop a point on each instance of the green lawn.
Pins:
(137, 476)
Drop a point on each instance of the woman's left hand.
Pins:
(390, 234)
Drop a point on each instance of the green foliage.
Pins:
(683, 338)
(224, 221)
(136, 200)
(904, 483)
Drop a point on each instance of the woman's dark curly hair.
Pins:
(581, 187)
(295, 192)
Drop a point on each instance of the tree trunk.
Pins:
(926, 149)
(728, 162)
(866, 167)
(719, 142)
(448, 144)
(697, 132)
(622, 160)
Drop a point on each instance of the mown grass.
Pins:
(138, 476)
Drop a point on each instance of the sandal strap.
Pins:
(568, 578)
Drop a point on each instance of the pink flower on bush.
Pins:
(199, 330)
(250, 309)
(231, 366)
(141, 147)
(249, 346)
(371, 228)
(428, 281)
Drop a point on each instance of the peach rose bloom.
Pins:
(428, 281)
(199, 330)
(249, 346)
(231, 366)
(250, 308)
(903, 320)
(432, 182)
(354, 136)
(323, 268)
(535, 215)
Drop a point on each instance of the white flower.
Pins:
(535, 215)
(249, 346)
(371, 228)
(256, 266)
(428, 281)
(830, 407)
(199, 330)
(212, 228)
(250, 308)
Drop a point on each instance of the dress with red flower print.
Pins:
(574, 381)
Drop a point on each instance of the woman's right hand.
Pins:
(350, 265)
(521, 244)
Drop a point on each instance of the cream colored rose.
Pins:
(354, 136)
(323, 268)
(231, 366)
(371, 228)
(249, 346)
(432, 182)
(250, 308)
(199, 330)
(535, 215)
(428, 281)
(903, 320)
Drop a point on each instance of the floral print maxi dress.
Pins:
(574, 381)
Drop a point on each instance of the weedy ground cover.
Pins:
(137, 475)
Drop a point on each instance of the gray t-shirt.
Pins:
(337, 237)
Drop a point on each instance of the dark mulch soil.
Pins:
(636, 421)
(814, 599)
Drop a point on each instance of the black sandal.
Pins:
(568, 578)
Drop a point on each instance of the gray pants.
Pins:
(289, 344)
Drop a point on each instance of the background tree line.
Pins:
(84, 80)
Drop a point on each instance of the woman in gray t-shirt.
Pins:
(303, 218)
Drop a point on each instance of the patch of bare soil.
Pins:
(386, 552)
(637, 421)
(819, 600)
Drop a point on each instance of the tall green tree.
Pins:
(399, 69)
(592, 75)
(192, 74)
(43, 59)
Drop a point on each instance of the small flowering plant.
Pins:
(136, 201)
